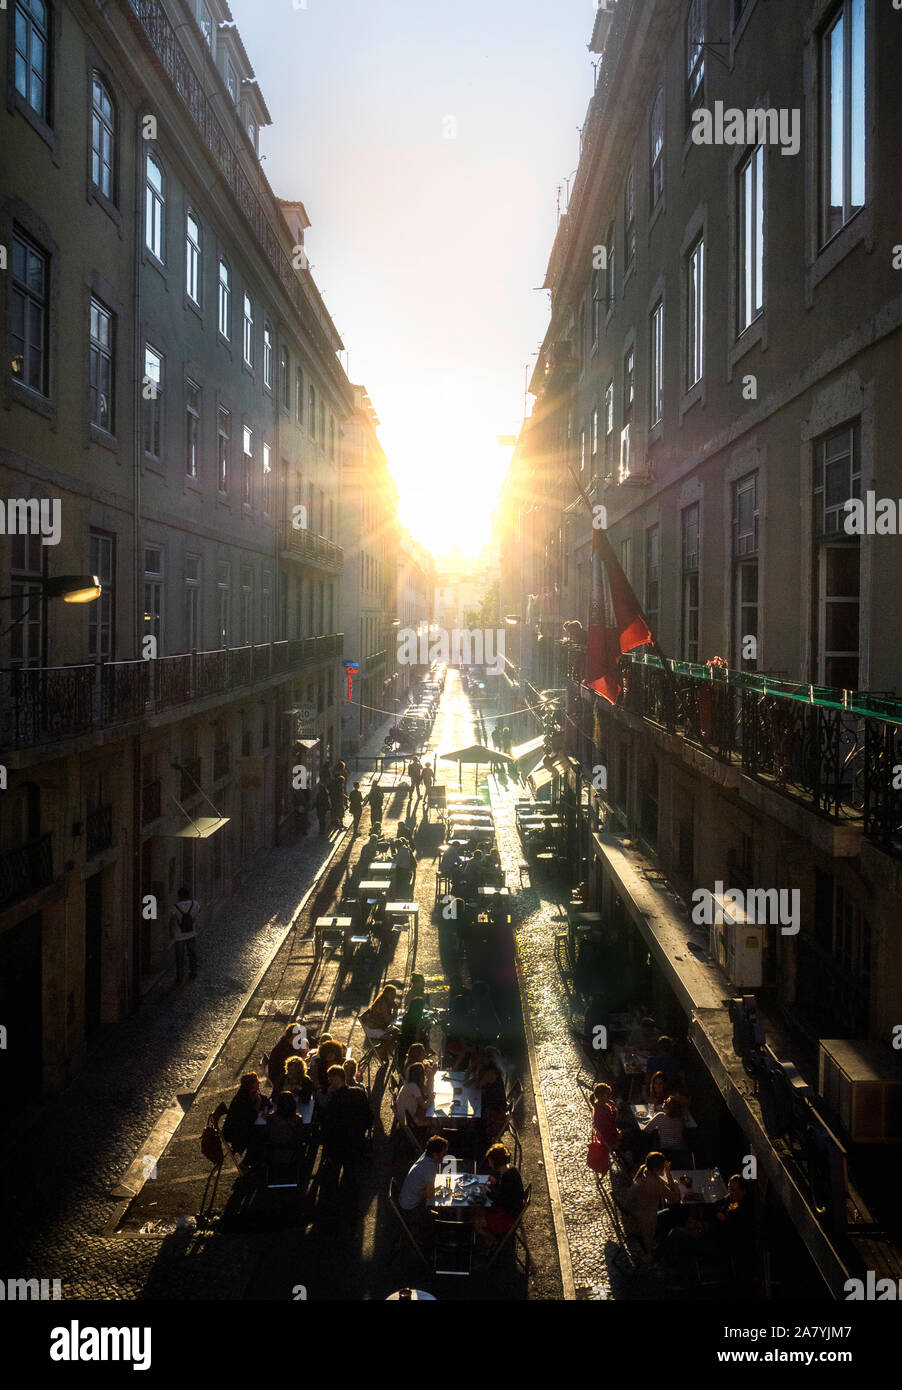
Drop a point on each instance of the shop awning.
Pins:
(539, 778)
(197, 828)
(523, 750)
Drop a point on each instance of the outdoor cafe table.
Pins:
(472, 832)
(645, 1116)
(457, 1191)
(538, 822)
(581, 925)
(705, 1185)
(487, 891)
(632, 1060)
(404, 910)
(382, 866)
(323, 925)
(452, 1100)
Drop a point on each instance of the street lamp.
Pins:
(71, 588)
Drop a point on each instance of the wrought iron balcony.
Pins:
(834, 750)
(301, 544)
(25, 869)
(98, 830)
(48, 704)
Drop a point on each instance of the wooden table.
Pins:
(452, 1100)
(333, 928)
(372, 887)
(472, 832)
(645, 1116)
(382, 866)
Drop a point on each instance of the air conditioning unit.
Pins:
(736, 945)
(861, 1082)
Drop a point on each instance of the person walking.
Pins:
(415, 773)
(183, 932)
(339, 801)
(375, 800)
(355, 801)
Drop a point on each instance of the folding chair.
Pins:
(515, 1234)
(283, 1166)
(394, 1189)
(453, 1252)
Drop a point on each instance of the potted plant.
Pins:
(707, 699)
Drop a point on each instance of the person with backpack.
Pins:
(183, 933)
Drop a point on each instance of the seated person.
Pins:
(671, 1132)
(240, 1129)
(410, 1102)
(662, 1059)
(353, 1080)
(417, 1052)
(490, 1082)
(284, 1129)
(413, 1026)
(499, 911)
(418, 1188)
(450, 860)
(368, 853)
(459, 1032)
(345, 1121)
(379, 1015)
(331, 1054)
(417, 989)
(651, 1185)
(659, 1090)
(736, 1217)
(290, 1044)
(298, 1083)
(505, 1193)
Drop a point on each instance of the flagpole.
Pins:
(668, 672)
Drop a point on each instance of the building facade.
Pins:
(173, 386)
(369, 530)
(415, 598)
(719, 373)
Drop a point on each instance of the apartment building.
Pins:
(172, 384)
(719, 373)
(369, 531)
(415, 597)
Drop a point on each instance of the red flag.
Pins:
(616, 623)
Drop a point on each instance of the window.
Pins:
(224, 449)
(581, 336)
(582, 450)
(689, 521)
(311, 403)
(751, 238)
(629, 221)
(842, 117)
(266, 614)
(252, 131)
(284, 378)
(695, 58)
(332, 436)
(609, 425)
(248, 331)
(100, 366)
(695, 314)
(609, 260)
(656, 132)
(192, 258)
(225, 301)
(101, 613)
(103, 137)
(152, 401)
(626, 556)
(629, 383)
(192, 427)
(232, 80)
(153, 596)
(267, 356)
(33, 55)
(837, 477)
(224, 601)
(192, 602)
(299, 395)
(247, 605)
(594, 432)
(26, 638)
(745, 572)
(322, 425)
(652, 575)
(29, 357)
(247, 472)
(154, 207)
(267, 477)
(206, 24)
(656, 380)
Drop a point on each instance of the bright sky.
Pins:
(426, 238)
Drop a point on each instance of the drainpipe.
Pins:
(137, 223)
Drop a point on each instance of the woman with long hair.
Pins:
(652, 1184)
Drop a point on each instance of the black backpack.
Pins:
(187, 922)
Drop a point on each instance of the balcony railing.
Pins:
(98, 830)
(25, 869)
(312, 549)
(47, 704)
(833, 750)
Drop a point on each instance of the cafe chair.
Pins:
(283, 1165)
(453, 1250)
(394, 1189)
(516, 1235)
